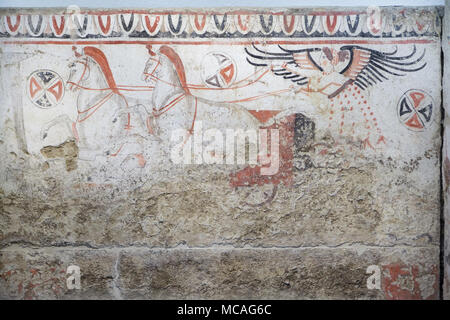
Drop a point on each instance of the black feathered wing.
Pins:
(295, 64)
(368, 67)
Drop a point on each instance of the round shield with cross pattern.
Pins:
(415, 110)
(45, 88)
(218, 70)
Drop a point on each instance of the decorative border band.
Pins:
(140, 24)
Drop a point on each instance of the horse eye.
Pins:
(71, 65)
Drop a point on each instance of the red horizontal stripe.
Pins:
(226, 42)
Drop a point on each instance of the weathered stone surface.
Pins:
(445, 155)
(220, 273)
(42, 273)
(357, 207)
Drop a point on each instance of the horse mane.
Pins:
(102, 61)
(178, 64)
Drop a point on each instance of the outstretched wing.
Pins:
(368, 67)
(290, 60)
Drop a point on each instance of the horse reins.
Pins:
(98, 104)
(103, 100)
(158, 112)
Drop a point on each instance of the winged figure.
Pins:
(330, 71)
(341, 75)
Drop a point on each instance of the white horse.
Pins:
(105, 124)
(174, 107)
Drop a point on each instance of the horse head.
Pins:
(79, 70)
(175, 78)
(91, 60)
(151, 66)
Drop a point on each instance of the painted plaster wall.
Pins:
(88, 106)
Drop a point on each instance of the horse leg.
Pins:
(146, 119)
(60, 119)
